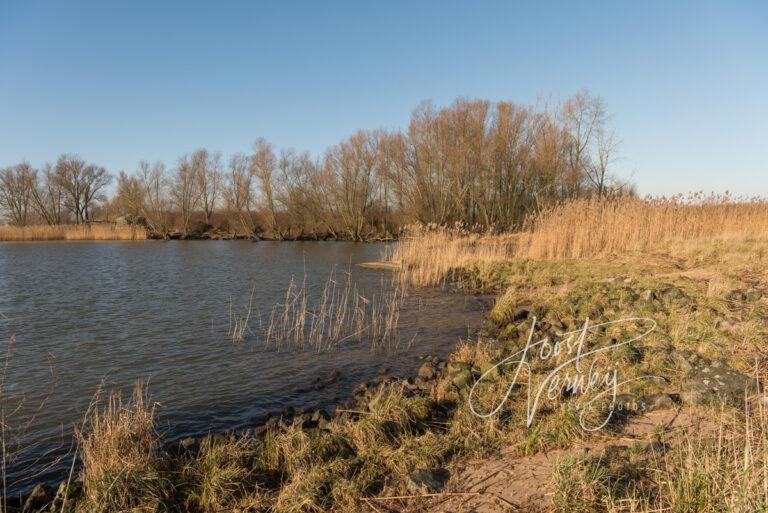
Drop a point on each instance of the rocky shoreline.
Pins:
(55, 498)
(706, 381)
(223, 235)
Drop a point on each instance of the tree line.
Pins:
(479, 163)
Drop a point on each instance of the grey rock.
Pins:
(660, 401)
(492, 370)
(66, 497)
(463, 379)
(304, 421)
(686, 361)
(736, 295)
(638, 405)
(522, 313)
(456, 367)
(39, 497)
(189, 444)
(427, 371)
(431, 481)
(671, 295)
(705, 385)
(319, 414)
(754, 294)
(730, 324)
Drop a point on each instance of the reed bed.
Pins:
(339, 314)
(427, 255)
(584, 228)
(100, 231)
(592, 227)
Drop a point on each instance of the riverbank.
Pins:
(688, 430)
(110, 231)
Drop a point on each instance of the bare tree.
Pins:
(352, 177)
(82, 183)
(155, 196)
(264, 167)
(207, 169)
(48, 197)
(583, 116)
(606, 148)
(238, 192)
(16, 185)
(129, 198)
(301, 192)
(185, 192)
(95, 179)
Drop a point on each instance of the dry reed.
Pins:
(592, 227)
(427, 255)
(338, 314)
(120, 451)
(105, 231)
(584, 228)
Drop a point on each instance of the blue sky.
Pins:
(116, 82)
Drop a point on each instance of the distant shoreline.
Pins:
(105, 232)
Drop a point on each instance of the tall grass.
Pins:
(427, 255)
(583, 228)
(593, 227)
(105, 231)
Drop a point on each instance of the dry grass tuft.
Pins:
(106, 231)
(222, 477)
(120, 450)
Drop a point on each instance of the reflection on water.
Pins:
(89, 313)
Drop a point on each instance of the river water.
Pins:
(86, 316)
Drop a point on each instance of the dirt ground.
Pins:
(523, 484)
